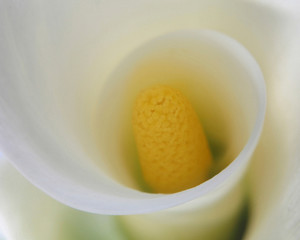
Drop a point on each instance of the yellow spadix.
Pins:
(173, 150)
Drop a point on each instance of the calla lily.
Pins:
(55, 60)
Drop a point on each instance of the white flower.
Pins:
(53, 45)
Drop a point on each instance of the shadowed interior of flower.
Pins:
(214, 82)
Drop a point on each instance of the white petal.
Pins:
(51, 75)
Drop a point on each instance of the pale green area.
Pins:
(82, 226)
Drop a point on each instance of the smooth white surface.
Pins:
(2, 237)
